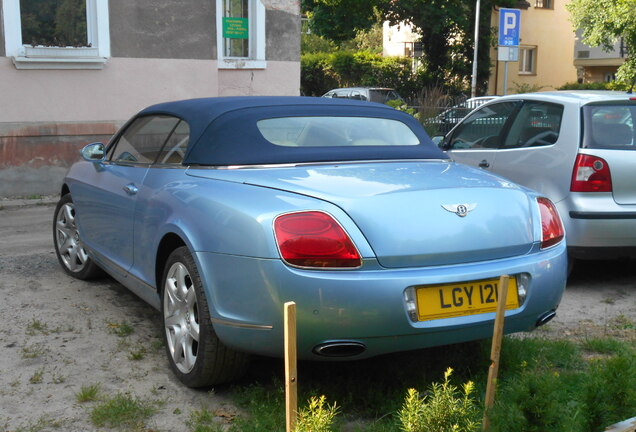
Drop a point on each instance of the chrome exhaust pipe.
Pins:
(339, 349)
(545, 318)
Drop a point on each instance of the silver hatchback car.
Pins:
(578, 148)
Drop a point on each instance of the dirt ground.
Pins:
(59, 334)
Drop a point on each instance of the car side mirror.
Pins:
(438, 140)
(93, 152)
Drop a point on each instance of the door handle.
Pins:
(484, 164)
(130, 189)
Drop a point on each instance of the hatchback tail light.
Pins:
(552, 231)
(314, 239)
(591, 174)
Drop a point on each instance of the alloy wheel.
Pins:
(67, 238)
(181, 317)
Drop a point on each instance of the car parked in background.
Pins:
(370, 94)
(448, 118)
(218, 211)
(578, 148)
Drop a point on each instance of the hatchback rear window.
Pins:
(609, 127)
(336, 132)
(383, 96)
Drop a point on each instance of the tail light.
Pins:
(591, 174)
(552, 231)
(314, 239)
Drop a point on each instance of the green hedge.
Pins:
(614, 85)
(321, 72)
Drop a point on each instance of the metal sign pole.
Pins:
(473, 83)
(505, 89)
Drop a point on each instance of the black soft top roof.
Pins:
(223, 131)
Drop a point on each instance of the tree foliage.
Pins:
(603, 22)
(446, 28)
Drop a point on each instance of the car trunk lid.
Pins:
(418, 214)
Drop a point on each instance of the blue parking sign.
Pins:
(509, 20)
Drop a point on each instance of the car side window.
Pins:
(174, 150)
(482, 129)
(537, 124)
(357, 95)
(143, 139)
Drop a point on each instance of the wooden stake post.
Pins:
(291, 381)
(496, 349)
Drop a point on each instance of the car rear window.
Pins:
(609, 126)
(336, 132)
(383, 96)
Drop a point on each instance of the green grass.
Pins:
(33, 351)
(41, 424)
(88, 393)
(555, 385)
(621, 322)
(137, 354)
(122, 329)
(603, 346)
(37, 377)
(123, 411)
(37, 326)
(203, 421)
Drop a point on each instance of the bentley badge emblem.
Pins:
(460, 210)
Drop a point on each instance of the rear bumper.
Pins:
(601, 253)
(366, 306)
(597, 226)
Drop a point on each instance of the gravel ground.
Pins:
(61, 334)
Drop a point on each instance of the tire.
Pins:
(195, 353)
(69, 248)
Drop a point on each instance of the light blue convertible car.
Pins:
(218, 211)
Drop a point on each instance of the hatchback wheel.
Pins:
(196, 354)
(69, 248)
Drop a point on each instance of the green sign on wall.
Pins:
(235, 28)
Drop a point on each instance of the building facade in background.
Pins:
(72, 71)
(593, 64)
(546, 51)
(546, 55)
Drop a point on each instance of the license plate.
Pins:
(463, 298)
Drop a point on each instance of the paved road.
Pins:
(60, 334)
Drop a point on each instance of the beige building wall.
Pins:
(127, 85)
(397, 40)
(551, 32)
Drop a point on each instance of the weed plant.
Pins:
(318, 416)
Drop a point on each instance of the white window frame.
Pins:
(523, 59)
(28, 57)
(256, 58)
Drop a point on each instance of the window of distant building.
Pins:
(240, 34)
(527, 60)
(64, 34)
(544, 4)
